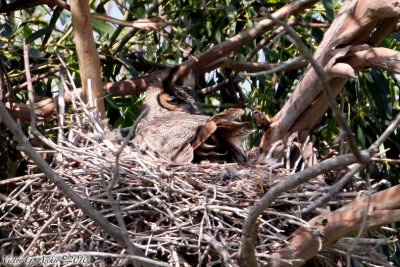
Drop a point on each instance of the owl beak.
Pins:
(193, 108)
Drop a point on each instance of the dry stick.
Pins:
(21, 178)
(227, 260)
(292, 181)
(325, 86)
(365, 258)
(64, 65)
(389, 130)
(34, 79)
(354, 169)
(61, 111)
(363, 226)
(334, 190)
(38, 234)
(116, 208)
(16, 203)
(112, 230)
(31, 96)
(81, 203)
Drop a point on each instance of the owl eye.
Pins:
(172, 100)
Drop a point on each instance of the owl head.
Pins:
(179, 93)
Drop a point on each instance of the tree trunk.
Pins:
(89, 61)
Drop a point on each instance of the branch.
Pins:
(247, 254)
(262, 68)
(208, 57)
(359, 57)
(96, 216)
(305, 242)
(322, 75)
(22, 4)
(236, 42)
(375, 57)
(156, 23)
(355, 23)
(89, 62)
(325, 229)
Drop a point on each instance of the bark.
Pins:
(89, 62)
(347, 46)
(250, 227)
(43, 108)
(324, 230)
(22, 4)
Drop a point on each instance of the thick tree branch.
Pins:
(355, 22)
(89, 62)
(259, 68)
(22, 4)
(374, 57)
(247, 256)
(218, 51)
(322, 75)
(325, 229)
(305, 242)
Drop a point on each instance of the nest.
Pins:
(178, 215)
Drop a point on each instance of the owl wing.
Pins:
(225, 142)
(170, 134)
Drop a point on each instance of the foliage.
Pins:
(370, 102)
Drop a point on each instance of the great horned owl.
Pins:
(174, 130)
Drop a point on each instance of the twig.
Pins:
(61, 110)
(21, 178)
(113, 255)
(367, 259)
(334, 189)
(354, 169)
(250, 225)
(227, 259)
(55, 178)
(277, 68)
(44, 227)
(363, 225)
(385, 135)
(30, 87)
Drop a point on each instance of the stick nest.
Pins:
(179, 215)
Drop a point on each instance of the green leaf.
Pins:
(379, 95)
(38, 34)
(36, 53)
(6, 29)
(110, 101)
(329, 9)
(102, 27)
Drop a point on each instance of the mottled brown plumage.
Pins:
(176, 134)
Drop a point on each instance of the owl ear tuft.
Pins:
(180, 75)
